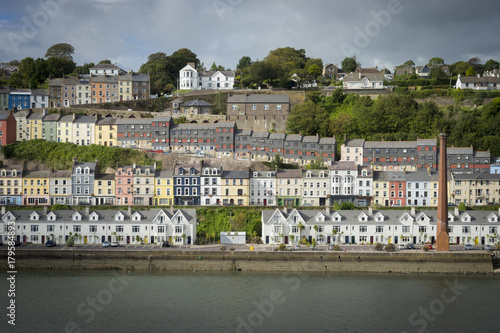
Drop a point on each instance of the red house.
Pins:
(7, 128)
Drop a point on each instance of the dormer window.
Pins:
(34, 217)
(77, 217)
(193, 171)
(138, 171)
(256, 174)
(87, 170)
(206, 172)
(78, 170)
(269, 174)
(4, 172)
(214, 171)
(14, 173)
(181, 171)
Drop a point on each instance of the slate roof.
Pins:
(236, 174)
(196, 103)
(355, 143)
(289, 173)
(259, 98)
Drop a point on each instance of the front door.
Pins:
(189, 240)
(346, 239)
(128, 239)
(152, 239)
(267, 239)
(286, 239)
(458, 240)
(145, 240)
(353, 240)
(265, 202)
(395, 239)
(84, 239)
(389, 240)
(483, 240)
(371, 239)
(103, 238)
(43, 239)
(328, 239)
(414, 239)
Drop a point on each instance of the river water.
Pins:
(108, 301)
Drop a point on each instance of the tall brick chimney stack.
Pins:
(442, 237)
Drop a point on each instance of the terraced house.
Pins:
(187, 184)
(371, 226)
(11, 184)
(95, 226)
(36, 187)
(164, 188)
(82, 181)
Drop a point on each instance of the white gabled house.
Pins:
(190, 78)
(93, 227)
(368, 226)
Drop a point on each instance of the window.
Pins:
(136, 228)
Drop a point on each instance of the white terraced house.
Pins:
(94, 227)
(369, 226)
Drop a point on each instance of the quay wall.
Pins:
(168, 260)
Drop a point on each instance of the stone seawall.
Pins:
(416, 262)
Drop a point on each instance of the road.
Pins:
(216, 247)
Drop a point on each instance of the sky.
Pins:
(382, 33)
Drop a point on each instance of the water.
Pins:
(106, 301)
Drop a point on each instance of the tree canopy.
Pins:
(61, 50)
(436, 61)
(349, 64)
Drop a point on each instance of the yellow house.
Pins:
(105, 132)
(65, 128)
(381, 192)
(164, 188)
(34, 126)
(104, 188)
(125, 86)
(235, 188)
(36, 187)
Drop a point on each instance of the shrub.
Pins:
(426, 247)
(390, 247)
(379, 247)
(223, 248)
(282, 247)
(336, 247)
(232, 249)
(70, 242)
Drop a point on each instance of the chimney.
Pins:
(3, 210)
(442, 236)
(370, 211)
(327, 210)
(45, 208)
(359, 74)
(429, 173)
(172, 210)
(87, 210)
(134, 166)
(457, 212)
(74, 116)
(129, 210)
(413, 211)
(285, 210)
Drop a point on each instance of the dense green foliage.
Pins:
(395, 117)
(60, 156)
(215, 219)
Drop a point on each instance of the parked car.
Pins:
(50, 243)
(410, 246)
(401, 246)
(289, 248)
(313, 248)
(296, 247)
(115, 244)
(106, 244)
(166, 244)
(487, 247)
(468, 247)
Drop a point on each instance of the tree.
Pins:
(84, 69)
(156, 66)
(308, 118)
(476, 64)
(58, 67)
(244, 62)
(349, 64)
(61, 50)
(491, 64)
(179, 59)
(436, 61)
(460, 67)
(314, 70)
(106, 61)
(214, 67)
(437, 73)
(277, 162)
(470, 72)
(409, 64)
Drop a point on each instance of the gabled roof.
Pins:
(258, 98)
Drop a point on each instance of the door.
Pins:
(346, 239)
(145, 240)
(170, 239)
(433, 240)
(265, 202)
(189, 240)
(353, 240)
(109, 238)
(414, 239)
(483, 240)
(389, 240)
(328, 239)
(103, 238)
(286, 239)
(371, 239)
(24, 239)
(458, 240)
(152, 239)
(395, 239)
(476, 241)
(43, 239)
(84, 239)
(128, 239)
(267, 239)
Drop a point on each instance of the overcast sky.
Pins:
(380, 33)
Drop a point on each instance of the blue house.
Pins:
(82, 178)
(187, 184)
(20, 99)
